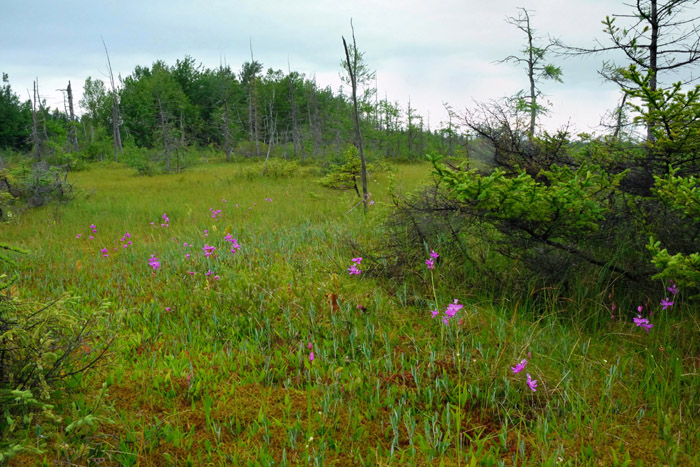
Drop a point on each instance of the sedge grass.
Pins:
(217, 371)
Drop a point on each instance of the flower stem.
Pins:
(459, 402)
(435, 300)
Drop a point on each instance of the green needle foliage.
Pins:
(681, 194)
(633, 208)
(566, 205)
(5, 258)
(40, 348)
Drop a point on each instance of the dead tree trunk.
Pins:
(273, 124)
(166, 138)
(35, 123)
(352, 71)
(293, 111)
(255, 104)
(314, 120)
(409, 132)
(182, 128)
(227, 135)
(72, 131)
(116, 115)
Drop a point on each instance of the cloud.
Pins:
(430, 52)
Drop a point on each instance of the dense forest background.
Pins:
(170, 108)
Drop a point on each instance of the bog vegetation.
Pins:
(188, 277)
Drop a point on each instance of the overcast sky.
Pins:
(431, 51)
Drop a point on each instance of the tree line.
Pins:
(169, 107)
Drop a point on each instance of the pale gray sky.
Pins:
(433, 52)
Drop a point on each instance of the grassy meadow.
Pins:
(273, 354)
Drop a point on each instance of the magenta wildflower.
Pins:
(354, 268)
(531, 382)
(216, 278)
(91, 237)
(223, 200)
(78, 236)
(430, 262)
(208, 273)
(167, 308)
(269, 200)
(234, 243)
(672, 288)
(310, 345)
(154, 263)
(105, 252)
(519, 367)
(191, 273)
(435, 312)
(643, 323)
(311, 357)
(665, 303)
(451, 311)
(453, 308)
(208, 250)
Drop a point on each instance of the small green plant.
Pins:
(274, 168)
(345, 174)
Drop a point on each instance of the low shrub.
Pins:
(40, 346)
(273, 168)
